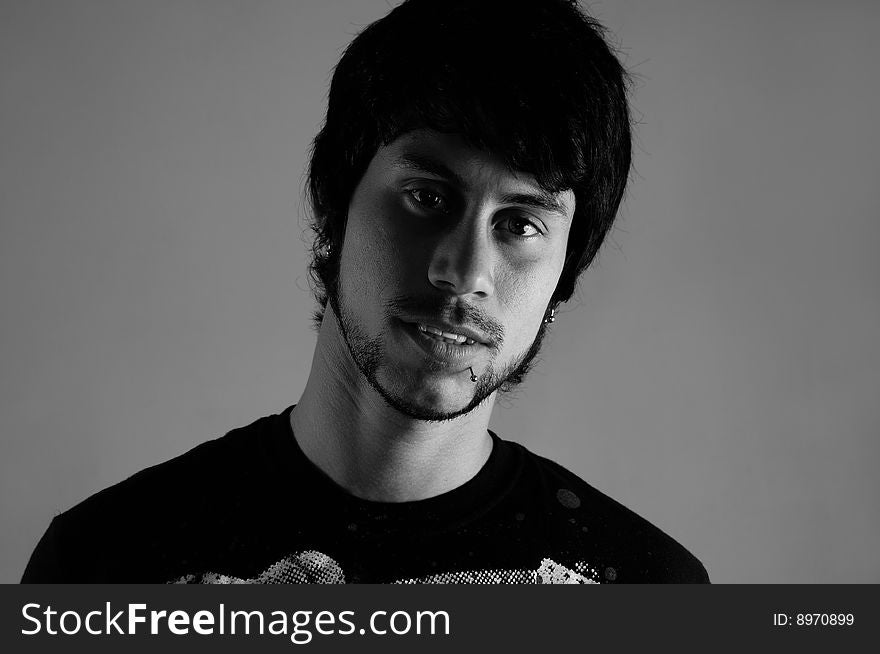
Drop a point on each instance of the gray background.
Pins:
(719, 373)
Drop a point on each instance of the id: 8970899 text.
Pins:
(813, 620)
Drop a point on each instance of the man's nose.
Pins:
(462, 261)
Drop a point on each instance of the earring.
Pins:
(551, 317)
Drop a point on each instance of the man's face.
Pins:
(442, 237)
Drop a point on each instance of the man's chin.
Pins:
(428, 412)
(431, 401)
(423, 394)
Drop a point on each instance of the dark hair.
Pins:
(532, 81)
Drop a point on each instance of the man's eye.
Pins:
(520, 227)
(429, 199)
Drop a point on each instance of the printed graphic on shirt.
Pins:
(311, 567)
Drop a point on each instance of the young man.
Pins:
(473, 157)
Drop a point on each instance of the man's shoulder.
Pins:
(183, 500)
(629, 547)
(206, 468)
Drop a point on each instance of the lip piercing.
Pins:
(473, 375)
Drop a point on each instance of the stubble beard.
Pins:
(368, 355)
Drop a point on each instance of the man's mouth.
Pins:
(446, 337)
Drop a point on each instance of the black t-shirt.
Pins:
(251, 508)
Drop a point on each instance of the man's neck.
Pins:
(373, 451)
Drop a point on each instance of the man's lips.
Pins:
(448, 353)
(449, 337)
(457, 334)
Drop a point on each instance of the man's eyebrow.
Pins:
(539, 199)
(425, 164)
